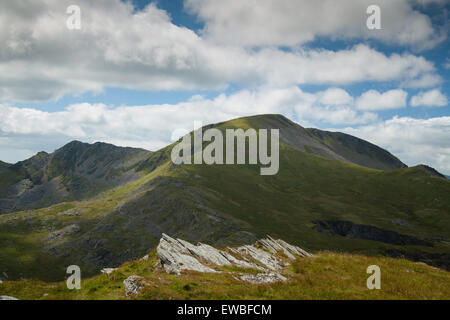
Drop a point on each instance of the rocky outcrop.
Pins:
(266, 255)
(279, 245)
(262, 278)
(133, 285)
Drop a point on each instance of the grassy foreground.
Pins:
(325, 276)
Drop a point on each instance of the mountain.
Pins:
(321, 199)
(74, 172)
(3, 165)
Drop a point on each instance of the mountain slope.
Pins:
(4, 165)
(358, 151)
(72, 172)
(402, 212)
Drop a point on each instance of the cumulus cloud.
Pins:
(289, 23)
(432, 98)
(414, 141)
(374, 100)
(40, 59)
(335, 96)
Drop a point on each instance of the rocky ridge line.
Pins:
(177, 255)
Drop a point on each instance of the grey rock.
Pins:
(262, 278)
(133, 285)
(289, 250)
(206, 253)
(175, 257)
(64, 232)
(7, 298)
(263, 257)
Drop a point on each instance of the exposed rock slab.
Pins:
(177, 255)
(263, 257)
(262, 278)
(279, 245)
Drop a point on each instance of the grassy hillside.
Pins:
(325, 276)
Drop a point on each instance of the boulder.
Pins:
(133, 285)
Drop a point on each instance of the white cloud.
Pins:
(432, 98)
(287, 22)
(374, 100)
(414, 141)
(335, 96)
(40, 59)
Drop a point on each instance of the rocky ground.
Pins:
(263, 261)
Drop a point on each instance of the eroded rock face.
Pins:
(177, 255)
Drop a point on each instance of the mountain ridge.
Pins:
(72, 172)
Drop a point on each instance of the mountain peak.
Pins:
(331, 145)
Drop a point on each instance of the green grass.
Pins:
(325, 276)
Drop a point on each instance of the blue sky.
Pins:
(172, 62)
